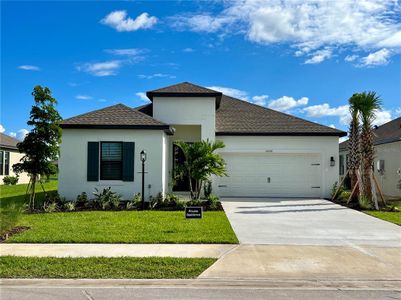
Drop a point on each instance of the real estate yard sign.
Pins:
(193, 212)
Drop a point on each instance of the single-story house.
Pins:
(387, 165)
(9, 155)
(268, 153)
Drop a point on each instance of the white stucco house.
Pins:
(9, 155)
(387, 163)
(268, 153)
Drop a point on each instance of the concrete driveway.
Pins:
(306, 222)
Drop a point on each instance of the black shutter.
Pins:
(128, 161)
(93, 161)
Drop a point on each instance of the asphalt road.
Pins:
(190, 293)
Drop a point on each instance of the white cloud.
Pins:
(2, 129)
(200, 23)
(126, 51)
(156, 75)
(142, 96)
(102, 100)
(106, 68)
(332, 126)
(324, 110)
(382, 117)
(29, 68)
(307, 26)
(21, 134)
(319, 56)
(380, 57)
(120, 21)
(398, 111)
(230, 92)
(188, 50)
(260, 100)
(342, 139)
(83, 97)
(351, 58)
(286, 103)
(13, 134)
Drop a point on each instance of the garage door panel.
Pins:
(292, 174)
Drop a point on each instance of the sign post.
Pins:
(193, 212)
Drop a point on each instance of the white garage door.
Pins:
(271, 175)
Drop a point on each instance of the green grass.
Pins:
(102, 267)
(393, 217)
(12, 197)
(124, 227)
(389, 216)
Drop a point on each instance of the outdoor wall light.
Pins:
(143, 159)
(332, 161)
(143, 156)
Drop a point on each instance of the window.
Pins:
(1, 162)
(7, 163)
(341, 164)
(111, 161)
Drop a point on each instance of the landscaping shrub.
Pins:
(10, 215)
(207, 189)
(334, 189)
(82, 200)
(344, 196)
(69, 206)
(10, 180)
(50, 207)
(364, 203)
(106, 199)
(213, 202)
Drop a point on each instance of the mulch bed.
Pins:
(13, 231)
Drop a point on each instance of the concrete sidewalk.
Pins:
(116, 250)
(308, 262)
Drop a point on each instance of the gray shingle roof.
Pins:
(239, 117)
(7, 141)
(387, 133)
(184, 89)
(118, 115)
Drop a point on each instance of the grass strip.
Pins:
(103, 267)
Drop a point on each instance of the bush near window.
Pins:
(10, 180)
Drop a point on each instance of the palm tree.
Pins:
(354, 151)
(201, 162)
(369, 105)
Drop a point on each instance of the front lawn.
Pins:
(103, 267)
(12, 198)
(393, 217)
(124, 227)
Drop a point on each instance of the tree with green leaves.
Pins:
(370, 103)
(354, 151)
(201, 162)
(41, 145)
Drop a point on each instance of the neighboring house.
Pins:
(268, 153)
(387, 165)
(9, 155)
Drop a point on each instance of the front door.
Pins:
(181, 185)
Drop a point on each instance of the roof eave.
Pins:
(339, 134)
(8, 147)
(151, 94)
(114, 126)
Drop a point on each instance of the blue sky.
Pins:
(301, 57)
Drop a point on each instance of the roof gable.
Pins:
(7, 141)
(185, 89)
(116, 116)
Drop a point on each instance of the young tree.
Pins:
(41, 144)
(370, 104)
(354, 151)
(201, 162)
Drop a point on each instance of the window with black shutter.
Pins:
(111, 161)
(1, 162)
(7, 163)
